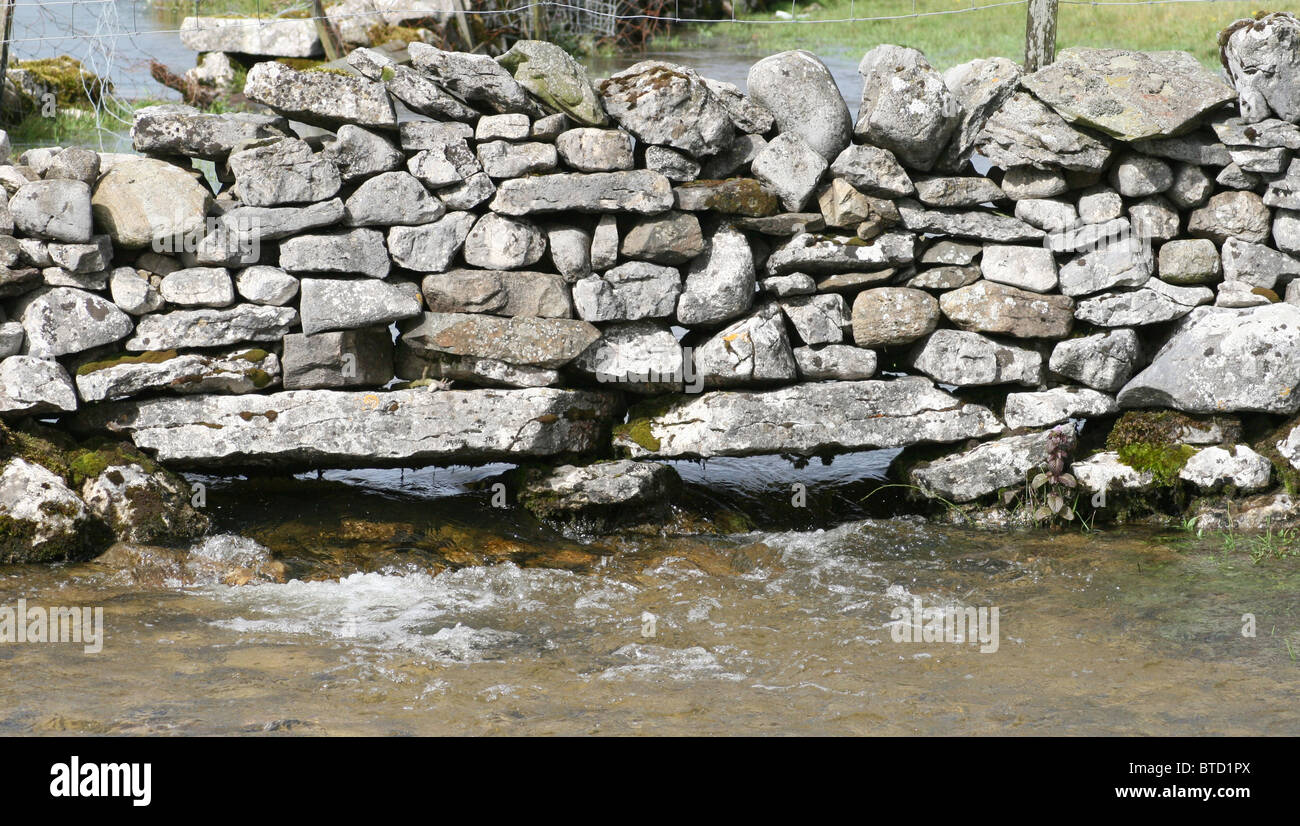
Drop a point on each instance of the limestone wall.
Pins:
(748, 271)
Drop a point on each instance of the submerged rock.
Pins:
(601, 497)
(983, 470)
(41, 519)
(225, 559)
(144, 504)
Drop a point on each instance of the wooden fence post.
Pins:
(6, 34)
(329, 38)
(1040, 34)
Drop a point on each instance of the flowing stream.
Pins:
(414, 607)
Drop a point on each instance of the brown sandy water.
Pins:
(434, 614)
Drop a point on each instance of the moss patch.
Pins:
(150, 357)
(67, 79)
(1164, 427)
(259, 378)
(738, 196)
(1162, 461)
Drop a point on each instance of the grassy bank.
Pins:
(948, 39)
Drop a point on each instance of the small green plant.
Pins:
(1271, 544)
(1052, 493)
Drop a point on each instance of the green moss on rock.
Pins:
(148, 357)
(67, 80)
(1163, 461)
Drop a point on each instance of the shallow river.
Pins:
(416, 608)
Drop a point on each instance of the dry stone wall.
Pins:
(463, 259)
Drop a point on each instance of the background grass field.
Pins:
(948, 39)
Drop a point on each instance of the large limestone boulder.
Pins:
(990, 307)
(351, 303)
(638, 356)
(892, 316)
(1262, 58)
(1102, 361)
(823, 255)
(906, 108)
(805, 419)
(1059, 404)
(500, 292)
(144, 504)
(719, 282)
(754, 350)
(177, 129)
(967, 359)
(270, 37)
(980, 87)
(354, 252)
(474, 78)
(283, 172)
(57, 210)
(244, 370)
(637, 191)
(31, 385)
(211, 328)
(984, 469)
(313, 428)
(556, 79)
(668, 105)
(801, 94)
(1223, 361)
(1025, 132)
(59, 321)
(500, 243)
(1130, 95)
(600, 497)
(528, 342)
(320, 98)
(628, 292)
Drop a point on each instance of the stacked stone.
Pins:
(568, 246)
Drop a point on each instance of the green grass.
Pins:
(1267, 545)
(77, 127)
(228, 8)
(949, 39)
